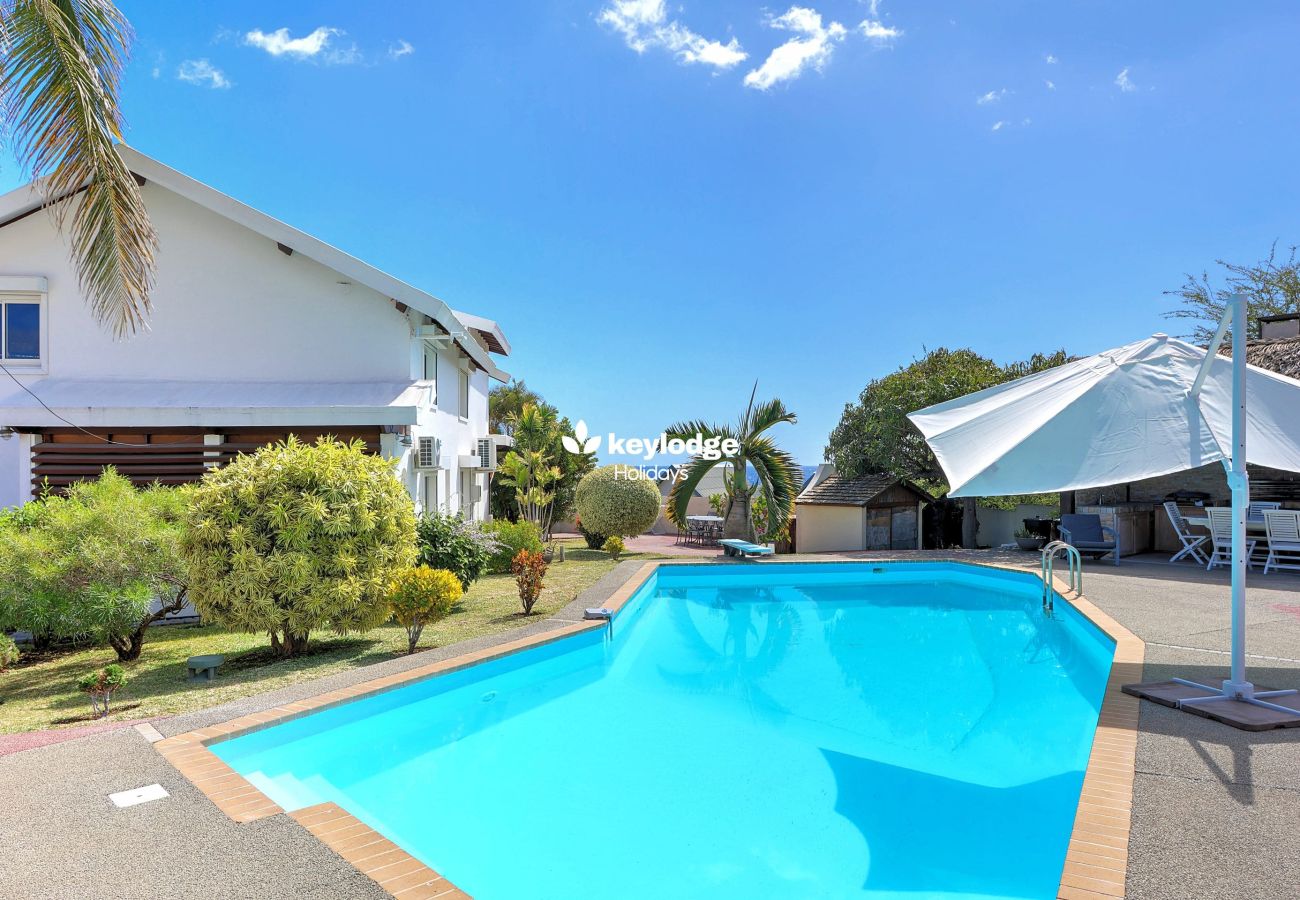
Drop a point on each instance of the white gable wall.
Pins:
(228, 305)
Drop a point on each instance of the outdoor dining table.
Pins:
(705, 529)
(1254, 524)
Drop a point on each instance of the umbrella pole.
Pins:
(1236, 687)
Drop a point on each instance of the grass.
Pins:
(40, 692)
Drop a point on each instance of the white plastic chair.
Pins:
(1191, 541)
(1283, 528)
(1221, 538)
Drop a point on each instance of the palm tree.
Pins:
(60, 71)
(779, 477)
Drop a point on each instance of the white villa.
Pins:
(258, 331)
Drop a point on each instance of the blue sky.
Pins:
(659, 209)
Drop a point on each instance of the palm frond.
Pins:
(684, 485)
(779, 478)
(769, 413)
(689, 429)
(61, 75)
(749, 409)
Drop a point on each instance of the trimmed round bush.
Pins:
(297, 537)
(617, 501)
(595, 540)
(511, 537)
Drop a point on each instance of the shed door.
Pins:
(878, 528)
(903, 523)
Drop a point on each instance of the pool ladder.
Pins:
(1050, 553)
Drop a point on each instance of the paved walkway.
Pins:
(1216, 811)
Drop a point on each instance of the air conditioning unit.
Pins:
(487, 454)
(427, 452)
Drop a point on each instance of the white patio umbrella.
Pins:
(1149, 408)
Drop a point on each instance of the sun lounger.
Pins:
(736, 547)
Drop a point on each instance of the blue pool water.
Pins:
(764, 731)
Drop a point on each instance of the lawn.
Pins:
(40, 692)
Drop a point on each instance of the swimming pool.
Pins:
(757, 731)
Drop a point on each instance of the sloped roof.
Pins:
(25, 199)
(1280, 355)
(860, 491)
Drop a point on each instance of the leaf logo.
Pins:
(580, 443)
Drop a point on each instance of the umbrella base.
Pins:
(1253, 711)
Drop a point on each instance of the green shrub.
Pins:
(90, 563)
(512, 537)
(595, 540)
(447, 541)
(100, 685)
(618, 500)
(296, 537)
(529, 569)
(421, 596)
(614, 547)
(8, 652)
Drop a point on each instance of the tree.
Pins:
(421, 596)
(93, 561)
(530, 467)
(295, 537)
(506, 403)
(60, 76)
(1271, 289)
(874, 435)
(616, 501)
(537, 428)
(779, 476)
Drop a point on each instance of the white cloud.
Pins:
(202, 72)
(791, 58)
(399, 49)
(991, 97)
(1050, 59)
(878, 32)
(1123, 82)
(309, 46)
(645, 24)
(1051, 85)
(998, 125)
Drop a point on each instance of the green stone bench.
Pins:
(204, 668)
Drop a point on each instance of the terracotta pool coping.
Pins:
(1095, 865)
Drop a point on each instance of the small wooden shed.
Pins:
(869, 512)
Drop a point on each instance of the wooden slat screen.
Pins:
(61, 459)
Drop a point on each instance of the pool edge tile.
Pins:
(393, 869)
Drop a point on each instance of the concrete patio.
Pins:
(1214, 809)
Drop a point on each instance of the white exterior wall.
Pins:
(230, 306)
(14, 486)
(826, 529)
(441, 419)
(998, 526)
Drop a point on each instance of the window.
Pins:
(463, 399)
(22, 302)
(431, 367)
